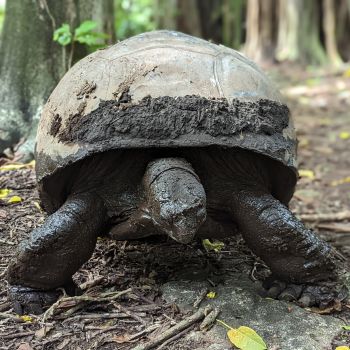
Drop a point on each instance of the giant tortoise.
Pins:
(167, 134)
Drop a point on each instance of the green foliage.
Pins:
(133, 17)
(2, 17)
(83, 34)
(63, 35)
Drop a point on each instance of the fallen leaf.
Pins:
(9, 167)
(24, 346)
(26, 318)
(63, 345)
(120, 339)
(347, 328)
(346, 74)
(211, 295)
(345, 180)
(4, 192)
(245, 338)
(342, 348)
(15, 199)
(344, 135)
(307, 173)
(215, 245)
(41, 333)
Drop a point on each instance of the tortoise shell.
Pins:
(162, 89)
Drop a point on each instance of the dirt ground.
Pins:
(107, 319)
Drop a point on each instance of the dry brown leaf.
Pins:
(24, 346)
(41, 333)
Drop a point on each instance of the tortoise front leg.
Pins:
(55, 251)
(294, 253)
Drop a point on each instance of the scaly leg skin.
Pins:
(54, 252)
(306, 264)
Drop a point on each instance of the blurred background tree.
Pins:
(306, 32)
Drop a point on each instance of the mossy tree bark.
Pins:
(299, 32)
(31, 64)
(232, 22)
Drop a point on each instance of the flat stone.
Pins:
(283, 326)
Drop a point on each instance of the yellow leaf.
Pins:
(211, 295)
(342, 348)
(26, 318)
(346, 74)
(307, 173)
(4, 192)
(215, 245)
(9, 167)
(245, 338)
(344, 135)
(345, 180)
(15, 199)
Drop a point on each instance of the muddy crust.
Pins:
(167, 117)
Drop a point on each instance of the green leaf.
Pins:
(245, 338)
(215, 245)
(15, 199)
(84, 34)
(63, 35)
(85, 28)
(90, 38)
(4, 192)
(347, 328)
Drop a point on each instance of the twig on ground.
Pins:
(335, 227)
(82, 298)
(7, 242)
(129, 313)
(92, 283)
(200, 297)
(209, 320)
(175, 337)
(16, 335)
(187, 322)
(323, 217)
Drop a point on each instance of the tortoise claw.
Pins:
(27, 300)
(322, 295)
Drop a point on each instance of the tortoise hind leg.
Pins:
(294, 253)
(55, 251)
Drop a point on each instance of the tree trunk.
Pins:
(330, 34)
(299, 32)
(188, 19)
(287, 38)
(260, 39)
(343, 28)
(311, 49)
(31, 63)
(165, 14)
(232, 13)
(210, 13)
(103, 14)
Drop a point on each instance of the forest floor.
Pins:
(107, 319)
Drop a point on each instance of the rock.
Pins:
(283, 325)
